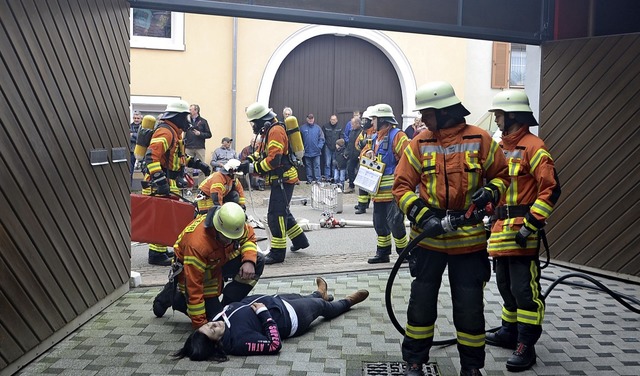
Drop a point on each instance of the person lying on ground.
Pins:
(256, 324)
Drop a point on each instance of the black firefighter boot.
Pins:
(522, 359)
(506, 336)
(299, 242)
(275, 256)
(382, 255)
(361, 208)
(162, 301)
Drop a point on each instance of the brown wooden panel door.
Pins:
(330, 74)
(590, 111)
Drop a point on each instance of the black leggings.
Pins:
(310, 307)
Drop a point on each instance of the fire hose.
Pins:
(476, 213)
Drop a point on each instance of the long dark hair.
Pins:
(200, 347)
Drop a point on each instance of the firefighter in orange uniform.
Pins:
(519, 219)
(364, 139)
(165, 162)
(387, 145)
(273, 162)
(220, 187)
(454, 165)
(213, 248)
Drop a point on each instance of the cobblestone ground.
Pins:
(585, 332)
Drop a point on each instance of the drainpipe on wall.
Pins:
(234, 79)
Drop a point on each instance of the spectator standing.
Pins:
(195, 136)
(413, 129)
(353, 154)
(222, 155)
(313, 140)
(454, 165)
(273, 163)
(515, 235)
(134, 127)
(347, 128)
(340, 158)
(332, 133)
(212, 249)
(253, 179)
(286, 112)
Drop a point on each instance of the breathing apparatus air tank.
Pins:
(295, 138)
(144, 137)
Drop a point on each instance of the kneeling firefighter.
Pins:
(454, 165)
(274, 161)
(165, 162)
(212, 249)
(220, 187)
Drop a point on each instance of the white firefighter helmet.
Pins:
(258, 110)
(229, 220)
(436, 95)
(511, 101)
(384, 113)
(231, 167)
(367, 113)
(175, 108)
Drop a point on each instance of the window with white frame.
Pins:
(518, 65)
(157, 29)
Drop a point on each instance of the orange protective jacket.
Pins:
(165, 153)
(215, 188)
(274, 154)
(398, 144)
(448, 166)
(203, 257)
(534, 183)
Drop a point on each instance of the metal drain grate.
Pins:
(395, 369)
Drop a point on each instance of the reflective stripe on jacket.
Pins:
(275, 155)
(448, 166)
(216, 187)
(203, 257)
(534, 182)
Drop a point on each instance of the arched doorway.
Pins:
(330, 74)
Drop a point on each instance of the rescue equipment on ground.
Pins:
(159, 219)
(369, 175)
(295, 137)
(144, 137)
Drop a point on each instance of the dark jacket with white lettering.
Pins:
(251, 334)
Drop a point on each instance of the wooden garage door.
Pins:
(329, 74)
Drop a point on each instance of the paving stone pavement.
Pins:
(585, 332)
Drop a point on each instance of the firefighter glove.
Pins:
(159, 180)
(418, 212)
(485, 195)
(521, 236)
(433, 227)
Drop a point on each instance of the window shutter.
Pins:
(500, 66)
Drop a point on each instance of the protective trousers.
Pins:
(388, 220)
(468, 274)
(282, 223)
(518, 280)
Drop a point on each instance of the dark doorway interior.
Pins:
(330, 74)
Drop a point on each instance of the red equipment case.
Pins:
(159, 220)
